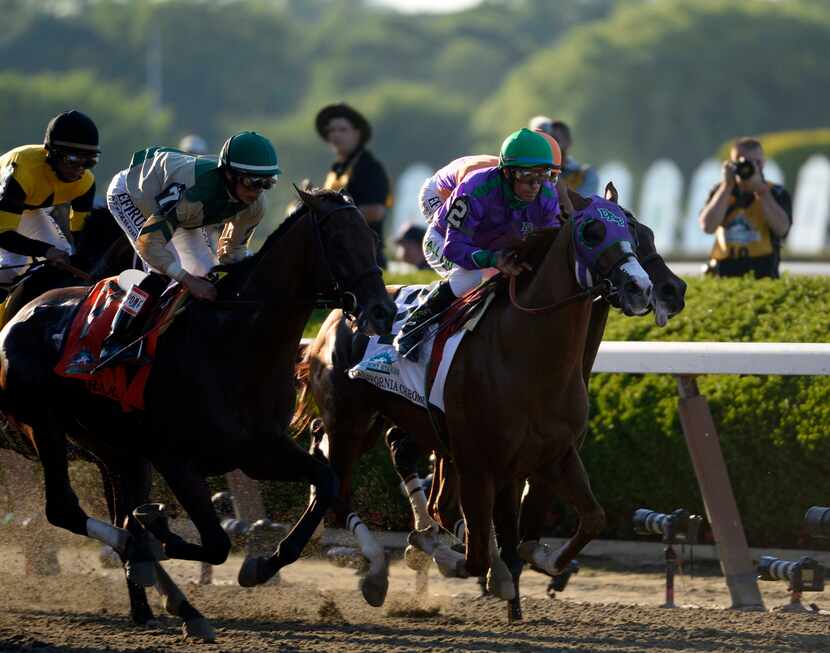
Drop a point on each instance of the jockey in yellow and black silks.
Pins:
(36, 178)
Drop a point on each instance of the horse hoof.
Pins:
(108, 557)
(502, 588)
(253, 572)
(415, 558)
(199, 628)
(374, 588)
(142, 574)
(142, 616)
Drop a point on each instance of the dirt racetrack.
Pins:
(317, 607)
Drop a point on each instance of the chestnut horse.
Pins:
(219, 397)
(515, 441)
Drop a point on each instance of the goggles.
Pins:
(255, 182)
(76, 159)
(535, 175)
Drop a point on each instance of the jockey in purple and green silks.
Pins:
(487, 211)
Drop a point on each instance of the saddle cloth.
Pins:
(90, 327)
(382, 366)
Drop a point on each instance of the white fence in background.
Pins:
(670, 206)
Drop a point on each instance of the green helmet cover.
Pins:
(525, 149)
(251, 154)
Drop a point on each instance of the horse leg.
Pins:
(571, 483)
(62, 507)
(284, 459)
(347, 440)
(506, 524)
(477, 497)
(193, 494)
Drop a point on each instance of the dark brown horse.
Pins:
(351, 410)
(219, 397)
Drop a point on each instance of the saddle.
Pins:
(80, 357)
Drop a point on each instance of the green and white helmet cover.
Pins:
(525, 149)
(250, 153)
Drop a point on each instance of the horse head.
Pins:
(348, 264)
(669, 296)
(605, 248)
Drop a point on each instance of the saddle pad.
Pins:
(82, 347)
(384, 368)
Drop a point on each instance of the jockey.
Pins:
(35, 178)
(164, 201)
(439, 187)
(489, 209)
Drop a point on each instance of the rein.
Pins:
(603, 287)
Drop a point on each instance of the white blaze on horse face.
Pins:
(636, 272)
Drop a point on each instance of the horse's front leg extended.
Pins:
(193, 494)
(571, 484)
(282, 459)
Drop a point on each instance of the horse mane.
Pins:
(535, 246)
(320, 194)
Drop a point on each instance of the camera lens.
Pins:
(744, 168)
(817, 521)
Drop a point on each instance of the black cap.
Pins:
(72, 130)
(343, 110)
(411, 232)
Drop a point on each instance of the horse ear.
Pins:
(611, 193)
(579, 202)
(306, 198)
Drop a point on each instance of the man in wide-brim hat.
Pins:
(355, 170)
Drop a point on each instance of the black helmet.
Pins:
(72, 130)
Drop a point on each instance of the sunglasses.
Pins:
(530, 176)
(253, 182)
(73, 160)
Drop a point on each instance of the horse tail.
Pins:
(303, 411)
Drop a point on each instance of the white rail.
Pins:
(714, 358)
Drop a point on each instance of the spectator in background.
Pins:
(581, 178)
(193, 144)
(748, 215)
(355, 170)
(410, 246)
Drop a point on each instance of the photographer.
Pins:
(748, 215)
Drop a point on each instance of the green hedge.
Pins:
(773, 429)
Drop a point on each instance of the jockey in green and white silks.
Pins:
(165, 200)
(488, 210)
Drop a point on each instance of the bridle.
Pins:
(329, 291)
(612, 258)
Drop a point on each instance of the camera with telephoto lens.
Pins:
(817, 521)
(804, 575)
(744, 168)
(678, 527)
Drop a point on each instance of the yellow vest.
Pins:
(743, 233)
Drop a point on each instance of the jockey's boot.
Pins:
(408, 340)
(130, 319)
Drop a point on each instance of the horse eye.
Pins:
(593, 233)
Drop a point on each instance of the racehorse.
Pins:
(219, 396)
(352, 410)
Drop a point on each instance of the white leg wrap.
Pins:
(368, 544)
(499, 578)
(545, 558)
(418, 501)
(107, 533)
(450, 563)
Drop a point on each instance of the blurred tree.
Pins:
(123, 118)
(675, 78)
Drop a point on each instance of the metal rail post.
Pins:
(721, 509)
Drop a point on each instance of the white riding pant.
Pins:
(428, 198)
(193, 248)
(37, 224)
(460, 280)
